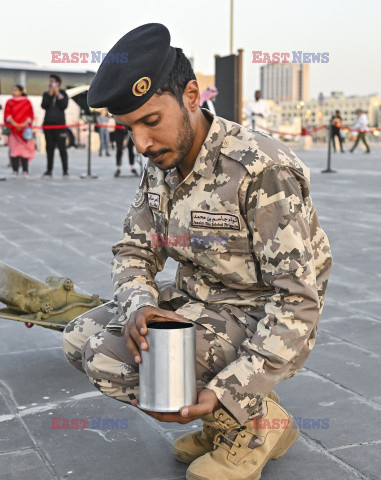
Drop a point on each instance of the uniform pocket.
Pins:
(211, 241)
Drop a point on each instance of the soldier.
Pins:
(232, 207)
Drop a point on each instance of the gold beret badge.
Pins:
(141, 86)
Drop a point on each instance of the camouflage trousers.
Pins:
(94, 344)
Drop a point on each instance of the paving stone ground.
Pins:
(66, 227)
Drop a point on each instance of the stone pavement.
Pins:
(66, 228)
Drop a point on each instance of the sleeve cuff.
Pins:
(240, 407)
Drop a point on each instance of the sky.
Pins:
(349, 30)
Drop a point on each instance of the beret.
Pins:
(133, 70)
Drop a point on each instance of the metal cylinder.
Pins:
(167, 372)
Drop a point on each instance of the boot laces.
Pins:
(217, 441)
(225, 425)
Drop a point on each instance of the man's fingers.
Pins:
(138, 339)
(167, 417)
(131, 345)
(141, 319)
(199, 410)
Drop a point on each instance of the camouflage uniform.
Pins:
(252, 272)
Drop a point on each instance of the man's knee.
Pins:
(86, 325)
(72, 340)
(108, 366)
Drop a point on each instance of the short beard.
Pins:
(185, 139)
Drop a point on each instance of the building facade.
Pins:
(285, 81)
(292, 116)
(35, 79)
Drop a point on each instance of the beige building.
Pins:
(285, 81)
(312, 113)
(289, 117)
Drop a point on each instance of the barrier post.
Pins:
(328, 169)
(90, 123)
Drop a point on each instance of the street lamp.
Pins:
(231, 25)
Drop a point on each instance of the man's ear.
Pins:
(191, 95)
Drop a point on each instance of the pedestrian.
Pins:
(336, 129)
(55, 102)
(362, 126)
(208, 98)
(257, 111)
(122, 138)
(253, 282)
(103, 119)
(18, 113)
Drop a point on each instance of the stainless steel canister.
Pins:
(167, 372)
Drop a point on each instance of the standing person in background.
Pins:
(103, 119)
(120, 136)
(336, 124)
(55, 102)
(207, 99)
(257, 111)
(363, 126)
(19, 115)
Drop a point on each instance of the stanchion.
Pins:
(328, 169)
(89, 155)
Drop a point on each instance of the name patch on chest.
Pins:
(154, 200)
(215, 220)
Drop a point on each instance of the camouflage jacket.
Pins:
(245, 233)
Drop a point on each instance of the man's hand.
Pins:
(136, 327)
(207, 402)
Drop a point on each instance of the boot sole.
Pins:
(286, 441)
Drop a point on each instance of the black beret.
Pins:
(133, 70)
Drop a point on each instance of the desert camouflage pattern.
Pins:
(249, 247)
(100, 352)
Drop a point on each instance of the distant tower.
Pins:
(285, 81)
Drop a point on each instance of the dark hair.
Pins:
(180, 74)
(21, 88)
(56, 77)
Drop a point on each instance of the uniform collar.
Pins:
(209, 151)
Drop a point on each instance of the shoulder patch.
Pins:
(139, 198)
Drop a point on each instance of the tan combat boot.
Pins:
(193, 445)
(241, 453)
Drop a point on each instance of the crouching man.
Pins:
(233, 208)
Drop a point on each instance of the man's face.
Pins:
(257, 95)
(53, 82)
(161, 130)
